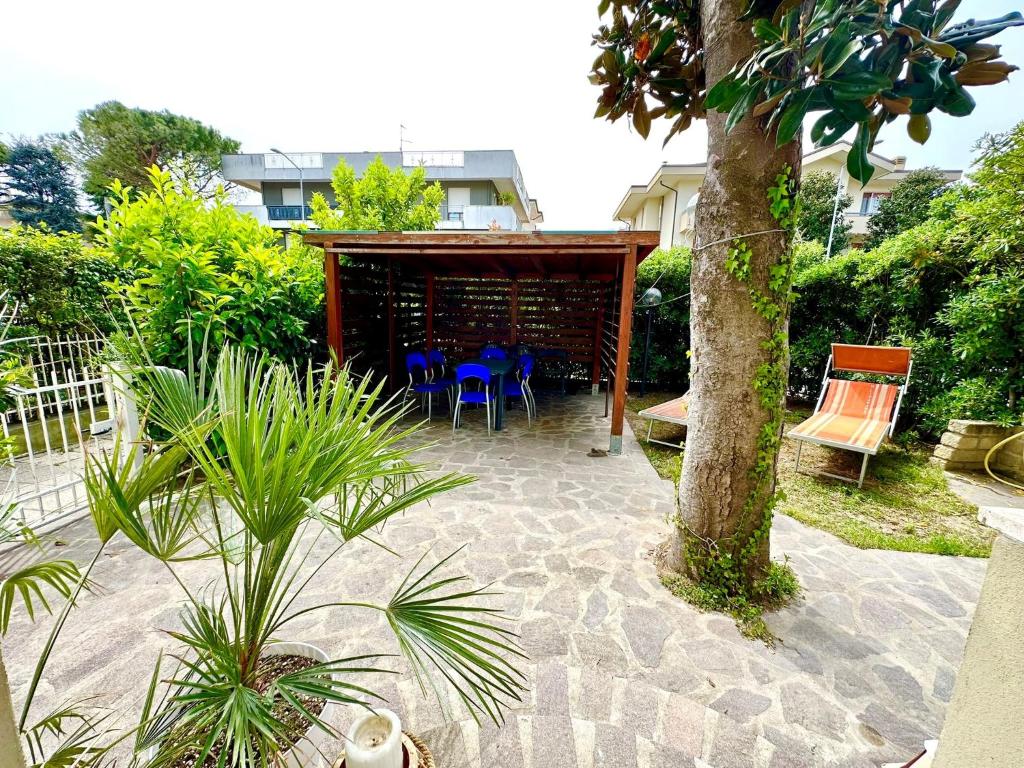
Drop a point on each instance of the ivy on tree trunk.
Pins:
(738, 360)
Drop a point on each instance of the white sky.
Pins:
(342, 76)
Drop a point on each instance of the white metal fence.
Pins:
(64, 409)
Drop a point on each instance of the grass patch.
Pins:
(905, 505)
(778, 587)
(668, 462)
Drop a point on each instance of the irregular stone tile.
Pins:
(741, 704)
(563, 600)
(734, 746)
(682, 725)
(894, 729)
(600, 651)
(942, 688)
(941, 602)
(804, 707)
(502, 746)
(553, 742)
(552, 689)
(614, 747)
(902, 684)
(543, 637)
(597, 610)
(645, 630)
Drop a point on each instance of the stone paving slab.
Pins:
(622, 674)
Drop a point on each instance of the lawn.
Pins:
(905, 504)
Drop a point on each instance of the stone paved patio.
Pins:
(621, 673)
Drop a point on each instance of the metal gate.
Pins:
(64, 410)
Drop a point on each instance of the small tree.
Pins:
(39, 188)
(818, 192)
(203, 271)
(907, 206)
(115, 142)
(384, 199)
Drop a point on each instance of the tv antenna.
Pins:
(402, 141)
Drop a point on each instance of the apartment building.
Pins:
(483, 189)
(667, 203)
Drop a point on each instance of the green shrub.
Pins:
(203, 271)
(669, 365)
(58, 282)
(976, 398)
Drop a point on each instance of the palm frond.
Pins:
(441, 626)
(59, 575)
(68, 736)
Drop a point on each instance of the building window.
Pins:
(870, 202)
(434, 159)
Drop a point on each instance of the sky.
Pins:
(343, 75)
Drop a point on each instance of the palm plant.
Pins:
(261, 466)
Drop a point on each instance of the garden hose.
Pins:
(995, 448)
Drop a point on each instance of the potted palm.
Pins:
(259, 466)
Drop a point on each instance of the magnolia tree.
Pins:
(755, 70)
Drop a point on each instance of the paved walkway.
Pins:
(621, 673)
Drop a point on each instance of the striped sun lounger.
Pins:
(856, 415)
(673, 412)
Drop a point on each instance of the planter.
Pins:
(304, 753)
(415, 754)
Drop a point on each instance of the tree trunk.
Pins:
(723, 495)
(11, 755)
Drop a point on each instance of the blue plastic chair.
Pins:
(520, 387)
(493, 353)
(466, 373)
(426, 388)
(436, 359)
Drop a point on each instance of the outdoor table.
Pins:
(499, 369)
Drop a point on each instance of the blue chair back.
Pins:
(493, 353)
(414, 361)
(472, 371)
(525, 367)
(436, 357)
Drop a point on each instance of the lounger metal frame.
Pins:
(868, 452)
(651, 418)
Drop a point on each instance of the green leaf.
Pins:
(723, 94)
(829, 128)
(793, 116)
(857, 162)
(741, 108)
(642, 117)
(832, 63)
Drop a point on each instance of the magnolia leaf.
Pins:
(641, 117)
(919, 128)
(857, 162)
(898, 106)
(793, 117)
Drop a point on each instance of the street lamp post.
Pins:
(649, 302)
(302, 191)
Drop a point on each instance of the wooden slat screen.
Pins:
(364, 287)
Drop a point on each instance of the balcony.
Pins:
(288, 212)
(479, 217)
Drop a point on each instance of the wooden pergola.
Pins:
(572, 292)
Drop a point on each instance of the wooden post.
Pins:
(622, 355)
(332, 297)
(595, 373)
(514, 312)
(430, 312)
(392, 330)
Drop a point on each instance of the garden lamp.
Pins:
(648, 302)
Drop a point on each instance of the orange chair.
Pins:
(856, 415)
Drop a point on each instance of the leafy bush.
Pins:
(57, 282)
(202, 270)
(669, 365)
